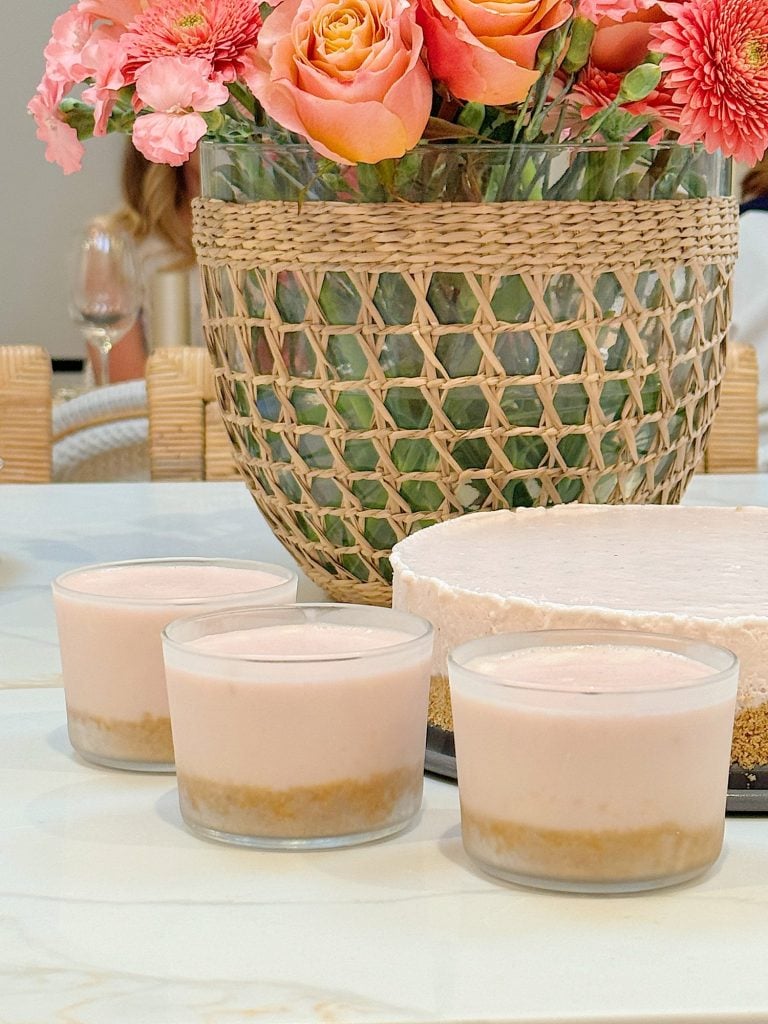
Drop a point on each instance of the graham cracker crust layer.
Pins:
(147, 739)
(750, 729)
(440, 713)
(346, 807)
(609, 855)
(750, 737)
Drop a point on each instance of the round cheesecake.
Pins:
(695, 572)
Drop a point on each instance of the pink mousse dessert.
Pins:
(110, 618)
(592, 762)
(299, 726)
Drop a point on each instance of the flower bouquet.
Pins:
(366, 81)
(455, 254)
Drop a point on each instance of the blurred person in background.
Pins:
(157, 212)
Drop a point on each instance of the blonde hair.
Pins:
(156, 202)
(755, 181)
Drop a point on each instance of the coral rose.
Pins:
(486, 51)
(621, 44)
(346, 74)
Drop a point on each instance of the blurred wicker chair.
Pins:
(102, 435)
(187, 437)
(188, 440)
(25, 414)
(733, 439)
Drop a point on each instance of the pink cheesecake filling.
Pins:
(589, 668)
(110, 620)
(694, 572)
(318, 639)
(596, 763)
(592, 737)
(147, 582)
(295, 717)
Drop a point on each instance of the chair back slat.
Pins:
(734, 437)
(25, 414)
(187, 437)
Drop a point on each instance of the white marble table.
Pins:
(46, 529)
(111, 913)
(49, 528)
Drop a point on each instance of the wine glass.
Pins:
(105, 290)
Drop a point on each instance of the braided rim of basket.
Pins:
(689, 245)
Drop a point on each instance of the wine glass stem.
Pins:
(105, 347)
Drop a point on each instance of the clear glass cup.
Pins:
(299, 726)
(110, 618)
(592, 761)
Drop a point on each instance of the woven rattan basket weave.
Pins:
(383, 367)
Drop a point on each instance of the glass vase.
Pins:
(469, 327)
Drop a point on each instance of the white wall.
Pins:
(41, 208)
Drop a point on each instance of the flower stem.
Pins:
(243, 97)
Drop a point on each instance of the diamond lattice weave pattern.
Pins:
(384, 367)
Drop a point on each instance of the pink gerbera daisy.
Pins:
(220, 31)
(716, 66)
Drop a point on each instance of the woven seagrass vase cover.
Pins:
(385, 365)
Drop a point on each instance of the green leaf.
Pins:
(437, 129)
(695, 186)
(472, 116)
(369, 180)
(356, 409)
(627, 186)
(214, 119)
(78, 115)
(407, 170)
(415, 455)
(619, 125)
(569, 490)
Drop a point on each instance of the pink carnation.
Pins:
(176, 88)
(120, 12)
(63, 54)
(594, 10)
(84, 44)
(596, 89)
(223, 32)
(105, 55)
(716, 67)
(62, 146)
